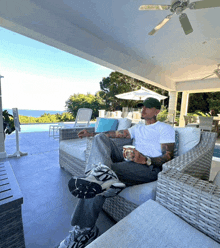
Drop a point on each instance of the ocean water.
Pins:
(35, 113)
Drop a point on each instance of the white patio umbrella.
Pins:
(141, 94)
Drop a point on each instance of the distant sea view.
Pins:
(34, 113)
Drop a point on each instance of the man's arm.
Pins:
(111, 134)
(118, 134)
(167, 155)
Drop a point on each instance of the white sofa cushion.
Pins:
(217, 179)
(189, 137)
(69, 146)
(141, 193)
(124, 123)
(152, 225)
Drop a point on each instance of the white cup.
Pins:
(128, 151)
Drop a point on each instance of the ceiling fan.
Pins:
(177, 7)
(215, 72)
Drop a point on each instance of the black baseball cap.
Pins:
(150, 102)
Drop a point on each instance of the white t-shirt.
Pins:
(148, 138)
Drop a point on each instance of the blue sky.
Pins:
(40, 77)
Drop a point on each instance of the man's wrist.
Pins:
(148, 161)
(92, 134)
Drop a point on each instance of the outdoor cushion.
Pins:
(189, 137)
(107, 124)
(69, 146)
(152, 225)
(129, 115)
(124, 123)
(141, 193)
(97, 122)
(217, 179)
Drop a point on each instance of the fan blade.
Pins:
(205, 4)
(217, 73)
(207, 76)
(184, 20)
(160, 25)
(154, 7)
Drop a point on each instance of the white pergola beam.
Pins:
(198, 86)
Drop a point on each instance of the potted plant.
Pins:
(8, 122)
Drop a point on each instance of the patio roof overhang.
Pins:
(115, 34)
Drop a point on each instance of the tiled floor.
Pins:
(48, 204)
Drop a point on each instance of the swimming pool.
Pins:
(28, 128)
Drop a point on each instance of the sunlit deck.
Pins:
(48, 204)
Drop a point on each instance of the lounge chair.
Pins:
(83, 118)
(205, 123)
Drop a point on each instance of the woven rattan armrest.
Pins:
(197, 161)
(195, 200)
(72, 133)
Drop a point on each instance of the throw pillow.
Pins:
(124, 123)
(189, 137)
(97, 123)
(217, 179)
(106, 124)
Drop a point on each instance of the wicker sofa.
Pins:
(196, 162)
(185, 214)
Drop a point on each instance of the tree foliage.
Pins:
(118, 83)
(204, 102)
(77, 101)
(8, 122)
(47, 118)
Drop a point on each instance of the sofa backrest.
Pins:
(188, 137)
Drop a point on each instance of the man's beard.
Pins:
(154, 117)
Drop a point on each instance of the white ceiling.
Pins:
(115, 34)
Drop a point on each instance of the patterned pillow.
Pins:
(176, 146)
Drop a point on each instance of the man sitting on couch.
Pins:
(107, 172)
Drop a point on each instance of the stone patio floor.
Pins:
(48, 204)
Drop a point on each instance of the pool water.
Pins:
(216, 152)
(27, 128)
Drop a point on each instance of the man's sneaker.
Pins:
(101, 180)
(79, 238)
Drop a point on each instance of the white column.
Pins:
(2, 141)
(172, 102)
(102, 113)
(172, 106)
(184, 108)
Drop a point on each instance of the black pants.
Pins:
(105, 151)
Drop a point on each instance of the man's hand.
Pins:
(136, 157)
(139, 158)
(84, 133)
